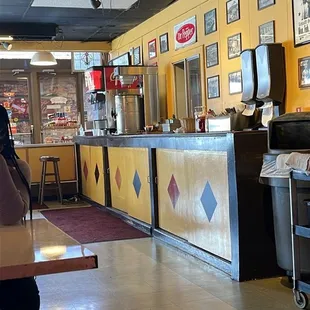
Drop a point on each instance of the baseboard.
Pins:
(202, 255)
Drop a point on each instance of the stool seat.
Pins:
(49, 159)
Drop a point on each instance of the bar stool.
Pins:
(45, 160)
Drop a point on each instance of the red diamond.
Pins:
(173, 191)
(85, 170)
(118, 178)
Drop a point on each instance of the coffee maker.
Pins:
(145, 80)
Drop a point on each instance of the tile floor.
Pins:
(145, 274)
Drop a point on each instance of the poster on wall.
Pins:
(301, 16)
(185, 33)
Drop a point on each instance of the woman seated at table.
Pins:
(15, 199)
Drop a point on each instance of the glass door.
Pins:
(59, 109)
(193, 84)
(181, 109)
(14, 96)
(188, 94)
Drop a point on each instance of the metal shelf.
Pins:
(300, 177)
(302, 231)
(303, 286)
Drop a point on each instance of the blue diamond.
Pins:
(137, 183)
(208, 201)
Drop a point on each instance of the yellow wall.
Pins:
(248, 25)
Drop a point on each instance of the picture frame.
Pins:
(164, 43)
(122, 60)
(137, 56)
(213, 87)
(234, 45)
(212, 55)
(152, 49)
(210, 20)
(263, 4)
(266, 33)
(235, 82)
(301, 22)
(232, 11)
(304, 72)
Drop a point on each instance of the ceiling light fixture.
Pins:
(6, 38)
(7, 46)
(43, 59)
(95, 3)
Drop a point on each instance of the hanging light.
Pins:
(7, 45)
(95, 3)
(43, 59)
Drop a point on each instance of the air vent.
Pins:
(29, 31)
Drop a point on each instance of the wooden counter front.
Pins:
(67, 165)
(198, 192)
(92, 173)
(193, 198)
(129, 179)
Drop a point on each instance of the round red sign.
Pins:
(185, 33)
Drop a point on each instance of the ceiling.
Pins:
(76, 19)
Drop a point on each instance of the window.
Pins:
(81, 61)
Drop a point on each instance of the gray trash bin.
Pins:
(286, 134)
(282, 220)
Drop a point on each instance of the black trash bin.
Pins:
(288, 133)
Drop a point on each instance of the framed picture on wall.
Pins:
(122, 60)
(262, 4)
(235, 82)
(213, 86)
(232, 11)
(164, 43)
(301, 21)
(152, 49)
(210, 22)
(267, 33)
(234, 45)
(212, 55)
(136, 56)
(304, 72)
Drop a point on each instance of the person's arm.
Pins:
(14, 198)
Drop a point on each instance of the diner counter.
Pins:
(198, 192)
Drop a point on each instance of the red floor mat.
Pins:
(89, 225)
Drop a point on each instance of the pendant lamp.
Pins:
(43, 59)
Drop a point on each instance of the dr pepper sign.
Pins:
(185, 33)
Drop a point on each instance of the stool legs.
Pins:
(57, 179)
(42, 184)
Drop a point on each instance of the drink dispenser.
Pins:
(271, 75)
(249, 88)
(249, 77)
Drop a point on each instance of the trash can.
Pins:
(286, 134)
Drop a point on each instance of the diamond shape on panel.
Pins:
(85, 170)
(118, 178)
(173, 191)
(137, 183)
(208, 201)
(97, 174)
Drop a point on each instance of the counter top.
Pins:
(198, 141)
(42, 145)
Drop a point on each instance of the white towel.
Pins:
(281, 161)
(298, 161)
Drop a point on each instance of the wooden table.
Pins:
(40, 248)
